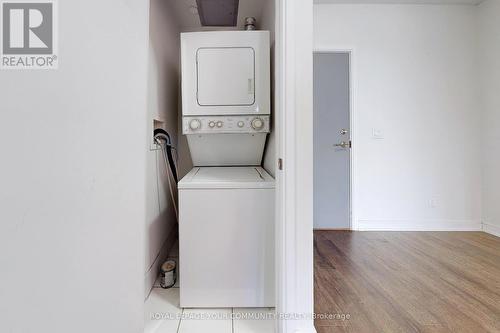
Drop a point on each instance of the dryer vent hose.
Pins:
(163, 138)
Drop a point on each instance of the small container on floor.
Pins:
(167, 274)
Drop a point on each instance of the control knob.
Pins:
(219, 124)
(195, 124)
(257, 124)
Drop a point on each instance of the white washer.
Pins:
(226, 237)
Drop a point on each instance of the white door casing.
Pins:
(294, 221)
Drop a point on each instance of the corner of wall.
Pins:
(270, 153)
(489, 62)
(491, 229)
(163, 90)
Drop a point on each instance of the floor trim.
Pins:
(418, 225)
(491, 229)
(332, 229)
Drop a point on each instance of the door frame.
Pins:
(353, 130)
(294, 192)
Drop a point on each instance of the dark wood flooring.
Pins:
(407, 281)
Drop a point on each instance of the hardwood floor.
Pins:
(407, 281)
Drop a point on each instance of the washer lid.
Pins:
(226, 177)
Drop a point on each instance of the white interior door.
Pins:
(331, 141)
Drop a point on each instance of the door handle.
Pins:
(343, 144)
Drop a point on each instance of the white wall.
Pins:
(163, 90)
(268, 22)
(73, 145)
(489, 33)
(415, 79)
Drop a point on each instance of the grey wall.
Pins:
(163, 93)
(73, 145)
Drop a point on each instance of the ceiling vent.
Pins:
(220, 13)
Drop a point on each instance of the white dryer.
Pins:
(226, 237)
(225, 73)
(226, 96)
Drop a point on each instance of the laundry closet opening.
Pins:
(211, 188)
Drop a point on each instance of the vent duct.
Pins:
(220, 13)
(250, 23)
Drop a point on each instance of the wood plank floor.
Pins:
(407, 281)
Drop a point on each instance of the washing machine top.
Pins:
(226, 177)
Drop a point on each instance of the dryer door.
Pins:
(225, 76)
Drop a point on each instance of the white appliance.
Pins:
(225, 73)
(226, 237)
(226, 96)
(226, 203)
(226, 140)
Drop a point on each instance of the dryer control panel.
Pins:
(225, 124)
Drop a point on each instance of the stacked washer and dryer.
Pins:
(226, 202)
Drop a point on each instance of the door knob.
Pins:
(343, 144)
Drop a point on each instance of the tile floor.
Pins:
(163, 314)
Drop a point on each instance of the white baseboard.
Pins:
(417, 225)
(492, 229)
(309, 330)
